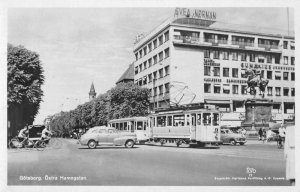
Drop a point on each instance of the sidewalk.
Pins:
(257, 142)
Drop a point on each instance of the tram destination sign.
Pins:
(195, 13)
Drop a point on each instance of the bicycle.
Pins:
(40, 145)
(15, 143)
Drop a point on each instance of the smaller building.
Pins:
(128, 75)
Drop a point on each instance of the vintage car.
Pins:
(103, 135)
(228, 136)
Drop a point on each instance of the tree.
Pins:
(24, 80)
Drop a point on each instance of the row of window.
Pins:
(152, 61)
(235, 90)
(161, 73)
(251, 57)
(289, 45)
(161, 90)
(235, 73)
(152, 45)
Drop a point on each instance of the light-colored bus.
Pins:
(195, 126)
(138, 125)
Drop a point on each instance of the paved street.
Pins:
(148, 165)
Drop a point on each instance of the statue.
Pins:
(255, 80)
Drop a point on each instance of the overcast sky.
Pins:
(78, 46)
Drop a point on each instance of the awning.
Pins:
(226, 87)
(277, 74)
(217, 85)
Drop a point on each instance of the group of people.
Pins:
(23, 135)
(266, 134)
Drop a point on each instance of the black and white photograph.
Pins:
(157, 96)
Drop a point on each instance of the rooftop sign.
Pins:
(195, 13)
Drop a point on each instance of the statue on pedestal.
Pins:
(255, 81)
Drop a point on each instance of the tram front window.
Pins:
(178, 120)
(206, 119)
(216, 119)
(139, 125)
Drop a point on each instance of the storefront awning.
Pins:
(226, 87)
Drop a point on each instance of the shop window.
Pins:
(207, 70)
(270, 91)
(286, 76)
(225, 72)
(217, 88)
(235, 89)
(277, 90)
(235, 72)
(289, 108)
(217, 71)
(285, 91)
(207, 88)
(238, 106)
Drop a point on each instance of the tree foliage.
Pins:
(24, 80)
(124, 100)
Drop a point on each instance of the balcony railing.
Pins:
(209, 40)
(244, 44)
(268, 46)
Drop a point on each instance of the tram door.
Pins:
(193, 126)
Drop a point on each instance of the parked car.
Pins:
(107, 136)
(228, 136)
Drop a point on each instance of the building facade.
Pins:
(187, 60)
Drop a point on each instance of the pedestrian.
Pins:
(243, 132)
(260, 133)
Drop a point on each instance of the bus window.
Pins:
(169, 122)
(113, 125)
(132, 126)
(139, 125)
(125, 126)
(117, 126)
(206, 119)
(198, 119)
(178, 120)
(121, 126)
(145, 125)
(161, 121)
(216, 119)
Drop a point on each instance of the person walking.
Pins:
(260, 133)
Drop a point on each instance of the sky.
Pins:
(78, 46)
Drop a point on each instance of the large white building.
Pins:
(188, 60)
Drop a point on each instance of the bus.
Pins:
(196, 126)
(137, 125)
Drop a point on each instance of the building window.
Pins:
(277, 90)
(286, 76)
(217, 71)
(167, 53)
(150, 78)
(155, 59)
(270, 91)
(207, 70)
(161, 56)
(225, 55)
(161, 73)
(243, 57)
(217, 88)
(285, 44)
(140, 82)
(292, 76)
(145, 65)
(285, 60)
(154, 75)
(235, 89)
(293, 92)
(277, 75)
(206, 88)
(160, 89)
(234, 56)
(150, 47)
(144, 80)
(216, 54)
(155, 91)
(235, 72)
(244, 89)
(292, 60)
(141, 67)
(145, 50)
(155, 44)
(277, 59)
(261, 60)
(167, 36)
(136, 70)
(141, 53)
(285, 91)
(225, 72)
(167, 88)
(269, 74)
(150, 62)
(269, 59)
(136, 56)
(160, 40)
(292, 45)
(226, 89)
(206, 53)
(252, 57)
(243, 73)
(167, 70)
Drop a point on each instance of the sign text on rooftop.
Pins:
(195, 13)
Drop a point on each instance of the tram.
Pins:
(138, 125)
(196, 126)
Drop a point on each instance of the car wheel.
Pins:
(129, 144)
(242, 143)
(232, 142)
(92, 144)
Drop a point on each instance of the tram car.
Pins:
(196, 126)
